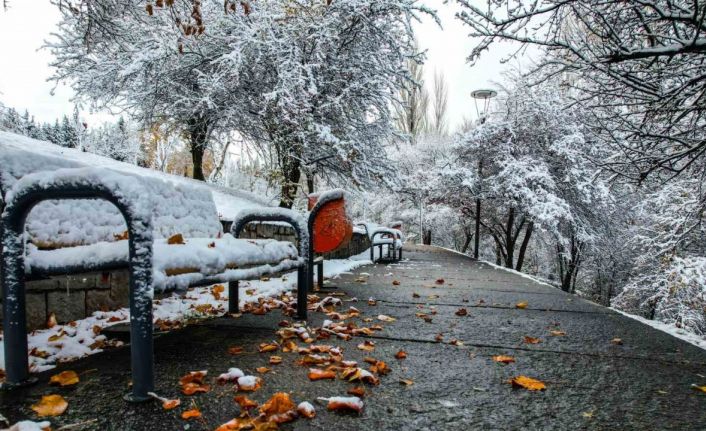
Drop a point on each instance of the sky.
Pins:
(28, 23)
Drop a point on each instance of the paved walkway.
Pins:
(645, 383)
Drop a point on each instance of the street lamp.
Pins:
(484, 96)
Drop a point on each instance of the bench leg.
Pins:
(372, 253)
(15, 319)
(400, 253)
(320, 274)
(303, 281)
(141, 345)
(380, 254)
(233, 297)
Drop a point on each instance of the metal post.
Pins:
(233, 296)
(320, 274)
(477, 238)
(13, 278)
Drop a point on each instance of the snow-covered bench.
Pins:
(156, 263)
(384, 237)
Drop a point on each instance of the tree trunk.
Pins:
(198, 135)
(523, 247)
(509, 239)
(467, 242)
(427, 237)
(291, 174)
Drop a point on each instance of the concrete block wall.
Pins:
(77, 296)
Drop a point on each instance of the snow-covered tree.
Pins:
(306, 78)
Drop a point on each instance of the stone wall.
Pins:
(77, 296)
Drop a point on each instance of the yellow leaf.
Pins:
(528, 383)
(64, 378)
(263, 370)
(557, 333)
(521, 305)
(699, 388)
(50, 405)
(407, 382)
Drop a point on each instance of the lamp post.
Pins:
(483, 95)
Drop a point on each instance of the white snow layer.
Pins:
(76, 338)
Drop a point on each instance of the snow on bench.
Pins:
(381, 236)
(175, 208)
(178, 262)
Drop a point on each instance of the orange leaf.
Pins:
(191, 414)
(351, 404)
(380, 367)
(64, 378)
(521, 305)
(372, 302)
(263, 370)
(395, 283)
(193, 377)
(194, 388)
(358, 391)
(217, 290)
(121, 236)
(275, 360)
(279, 408)
(50, 405)
(175, 239)
(249, 383)
(317, 374)
(170, 404)
(462, 312)
(532, 340)
(359, 375)
(235, 350)
(528, 383)
(401, 355)
(245, 402)
(504, 359)
(268, 347)
(557, 333)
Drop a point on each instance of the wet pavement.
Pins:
(645, 383)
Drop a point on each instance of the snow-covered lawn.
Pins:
(81, 338)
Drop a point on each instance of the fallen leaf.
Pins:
(528, 383)
(531, 340)
(317, 374)
(121, 236)
(504, 359)
(359, 375)
(245, 402)
(268, 347)
(305, 409)
(64, 378)
(440, 281)
(171, 404)
(194, 388)
(212, 245)
(343, 404)
(367, 346)
(462, 312)
(249, 383)
(699, 388)
(415, 295)
(557, 333)
(521, 305)
(407, 382)
(439, 338)
(372, 302)
(380, 367)
(191, 414)
(275, 360)
(175, 239)
(263, 370)
(279, 408)
(617, 341)
(217, 290)
(587, 415)
(395, 283)
(51, 320)
(385, 318)
(50, 405)
(358, 391)
(456, 342)
(401, 355)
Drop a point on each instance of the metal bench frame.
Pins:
(396, 254)
(140, 266)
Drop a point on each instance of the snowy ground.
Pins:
(81, 338)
